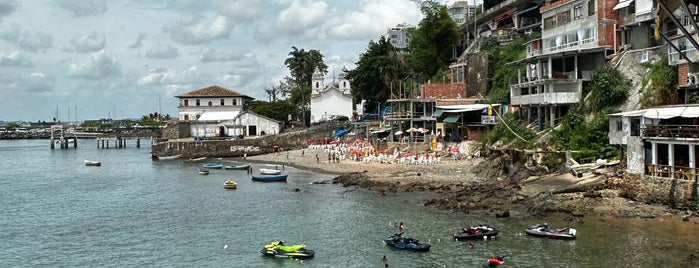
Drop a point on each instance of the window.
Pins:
(577, 12)
(563, 18)
(635, 127)
(344, 83)
(186, 102)
(223, 102)
(210, 103)
(550, 22)
(317, 84)
(235, 102)
(618, 124)
(591, 7)
(198, 102)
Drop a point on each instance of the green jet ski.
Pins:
(278, 249)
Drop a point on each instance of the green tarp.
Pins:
(437, 113)
(452, 119)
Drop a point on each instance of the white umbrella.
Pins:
(399, 132)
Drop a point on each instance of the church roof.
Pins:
(213, 91)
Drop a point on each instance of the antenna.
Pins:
(158, 107)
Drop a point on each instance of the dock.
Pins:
(62, 138)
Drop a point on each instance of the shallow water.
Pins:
(136, 212)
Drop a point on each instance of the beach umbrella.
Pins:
(412, 129)
(399, 132)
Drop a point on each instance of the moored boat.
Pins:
(238, 167)
(476, 232)
(203, 171)
(278, 249)
(267, 171)
(213, 165)
(93, 163)
(195, 160)
(401, 242)
(230, 184)
(543, 230)
(269, 178)
(169, 157)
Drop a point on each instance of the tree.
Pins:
(432, 45)
(301, 65)
(278, 110)
(377, 69)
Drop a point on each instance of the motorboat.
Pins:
(401, 242)
(213, 165)
(230, 184)
(269, 178)
(195, 160)
(543, 230)
(278, 249)
(238, 167)
(267, 171)
(203, 171)
(169, 157)
(93, 163)
(476, 232)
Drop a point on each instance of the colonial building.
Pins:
(330, 101)
(216, 111)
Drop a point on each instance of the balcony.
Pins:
(546, 98)
(671, 131)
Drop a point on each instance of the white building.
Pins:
(400, 36)
(217, 111)
(330, 101)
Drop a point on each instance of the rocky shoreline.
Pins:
(487, 185)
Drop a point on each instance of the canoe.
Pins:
(267, 171)
(213, 165)
(239, 167)
(230, 184)
(269, 178)
(93, 163)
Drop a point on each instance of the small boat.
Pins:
(278, 249)
(195, 160)
(267, 171)
(495, 262)
(269, 178)
(543, 230)
(203, 171)
(230, 184)
(93, 163)
(213, 165)
(239, 167)
(401, 242)
(476, 232)
(157, 157)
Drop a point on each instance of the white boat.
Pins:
(268, 171)
(93, 163)
(155, 157)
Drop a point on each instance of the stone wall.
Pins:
(176, 130)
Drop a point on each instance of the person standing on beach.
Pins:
(317, 158)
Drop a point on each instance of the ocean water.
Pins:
(135, 212)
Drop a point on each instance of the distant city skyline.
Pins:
(91, 59)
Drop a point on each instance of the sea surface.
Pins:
(135, 212)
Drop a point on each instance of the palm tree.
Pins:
(302, 64)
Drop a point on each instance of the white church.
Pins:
(332, 100)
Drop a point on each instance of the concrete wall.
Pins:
(331, 102)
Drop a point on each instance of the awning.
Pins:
(452, 119)
(380, 130)
(340, 132)
(437, 113)
(670, 112)
(622, 4)
(218, 116)
(630, 113)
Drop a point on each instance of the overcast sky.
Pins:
(124, 59)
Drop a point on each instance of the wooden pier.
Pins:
(118, 142)
(60, 137)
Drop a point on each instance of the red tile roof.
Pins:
(213, 91)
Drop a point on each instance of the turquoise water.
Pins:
(134, 212)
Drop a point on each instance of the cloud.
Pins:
(374, 18)
(29, 40)
(169, 76)
(245, 11)
(162, 51)
(302, 17)
(34, 82)
(98, 65)
(15, 58)
(139, 41)
(198, 31)
(88, 43)
(81, 8)
(216, 55)
(8, 7)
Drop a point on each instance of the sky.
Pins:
(78, 60)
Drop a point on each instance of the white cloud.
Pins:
(15, 58)
(198, 31)
(34, 82)
(217, 55)
(169, 76)
(8, 7)
(374, 18)
(29, 40)
(162, 51)
(98, 65)
(245, 11)
(139, 41)
(88, 43)
(302, 17)
(81, 8)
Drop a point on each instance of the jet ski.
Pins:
(476, 232)
(495, 262)
(543, 230)
(401, 242)
(278, 249)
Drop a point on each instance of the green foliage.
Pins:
(515, 50)
(12, 125)
(302, 64)
(659, 85)
(588, 138)
(377, 70)
(431, 47)
(608, 88)
(507, 135)
(277, 110)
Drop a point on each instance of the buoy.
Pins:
(438, 240)
(485, 237)
(225, 246)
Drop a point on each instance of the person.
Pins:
(401, 227)
(384, 259)
(471, 245)
(317, 158)
(303, 151)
